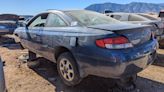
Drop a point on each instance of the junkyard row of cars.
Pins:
(84, 43)
(9, 22)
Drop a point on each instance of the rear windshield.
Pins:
(90, 18)
(149, 17)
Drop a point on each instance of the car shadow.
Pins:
(48, 71)
(159, 60)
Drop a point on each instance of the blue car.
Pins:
(8, 23)
(84, 43)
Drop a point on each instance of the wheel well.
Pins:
(60, 50)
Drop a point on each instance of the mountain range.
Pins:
(134, 7)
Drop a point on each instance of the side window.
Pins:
(55, 21)
(39, 21)
(118, 17)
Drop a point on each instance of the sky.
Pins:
(32, 7)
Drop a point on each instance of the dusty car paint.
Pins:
(93, 60)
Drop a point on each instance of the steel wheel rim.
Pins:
(66, 69)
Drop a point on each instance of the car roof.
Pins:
(122, 13)
(62, 11)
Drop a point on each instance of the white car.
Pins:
(141, 19)
(2, 80)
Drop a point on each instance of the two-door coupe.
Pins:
(86, 43)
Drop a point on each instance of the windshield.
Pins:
(90, 18)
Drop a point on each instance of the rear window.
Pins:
(118, 17)
(90, 18)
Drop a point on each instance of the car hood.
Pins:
(117, 27)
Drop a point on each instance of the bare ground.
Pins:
(19, 78)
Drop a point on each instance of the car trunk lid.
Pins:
(137, 34)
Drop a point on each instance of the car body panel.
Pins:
(114, 63)
(80, 41)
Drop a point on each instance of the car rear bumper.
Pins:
(117, 64)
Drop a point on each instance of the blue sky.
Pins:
(36, 6)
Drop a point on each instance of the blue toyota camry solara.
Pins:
(86, 43)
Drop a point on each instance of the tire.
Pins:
(31, 62)
(127, 84)
(68, 70)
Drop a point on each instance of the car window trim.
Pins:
(32, 20)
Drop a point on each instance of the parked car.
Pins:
(8, 23)
(161, 16)
(2, 80)
(141, 19)
(86, 43)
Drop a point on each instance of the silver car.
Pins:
(141, 19)
(2, 81)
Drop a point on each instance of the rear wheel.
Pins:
(127, 84)
(67, 69)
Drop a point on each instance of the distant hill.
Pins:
(134, 7)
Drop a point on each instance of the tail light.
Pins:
(114, 43)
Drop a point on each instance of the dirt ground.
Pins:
(19, 78)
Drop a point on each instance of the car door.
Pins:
(53, 35)
(34, 32)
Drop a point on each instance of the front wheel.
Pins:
(67, 69)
